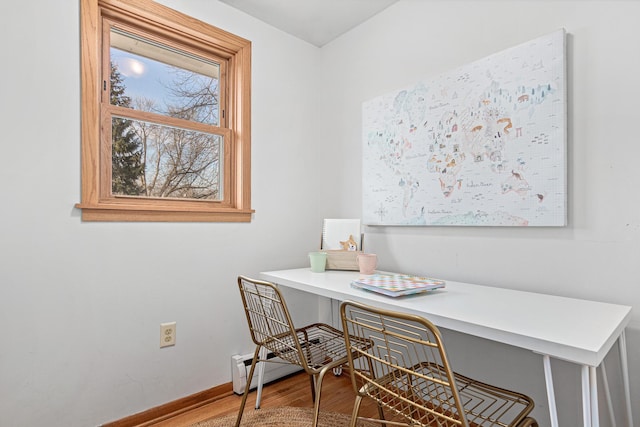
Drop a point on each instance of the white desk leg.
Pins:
(260, 366)
(593, 389)
(622, 343)
(551, 397)
(607, 392)
(586, 397)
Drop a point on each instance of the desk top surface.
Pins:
(576, 330)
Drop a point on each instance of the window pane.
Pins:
(151, 77)
(151, 160)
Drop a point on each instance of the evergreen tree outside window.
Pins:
(127, 169)
(166, 116)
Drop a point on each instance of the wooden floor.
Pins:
(337, 396)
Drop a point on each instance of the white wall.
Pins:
(81, 303)
(596, 256)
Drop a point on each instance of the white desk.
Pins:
(574, 330)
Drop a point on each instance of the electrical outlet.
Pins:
(167, 334)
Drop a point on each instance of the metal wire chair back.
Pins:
(311, 347)
(407, 372)
(269, 321)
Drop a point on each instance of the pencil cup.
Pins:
(367, 263)
(318, 261)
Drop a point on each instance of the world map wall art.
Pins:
(482, 145)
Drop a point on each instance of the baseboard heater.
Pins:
(241, 364)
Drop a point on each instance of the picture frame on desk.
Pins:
(342, 240)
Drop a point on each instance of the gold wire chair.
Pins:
(317, 348)
(407, 373)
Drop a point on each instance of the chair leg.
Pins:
(318, 388)
(356, 411)
(381, 414)
(312, 378)
(248, 386)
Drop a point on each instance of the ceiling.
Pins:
(316, 21)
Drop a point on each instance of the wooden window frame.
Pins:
(97, 203)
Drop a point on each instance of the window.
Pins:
(165, 116)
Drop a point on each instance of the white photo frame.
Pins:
(335, 232)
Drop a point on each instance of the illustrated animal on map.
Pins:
(350, 244)
(508, 125)
(523, 98)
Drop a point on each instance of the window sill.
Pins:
(159, 214)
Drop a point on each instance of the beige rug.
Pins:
(282, 417)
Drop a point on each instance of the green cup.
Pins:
(318, 261)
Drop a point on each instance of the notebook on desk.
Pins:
(396, 285)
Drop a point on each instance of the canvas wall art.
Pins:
(482, 145)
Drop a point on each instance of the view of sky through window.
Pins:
(142, 77)
(155, 86)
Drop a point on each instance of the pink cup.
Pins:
(367, 263)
